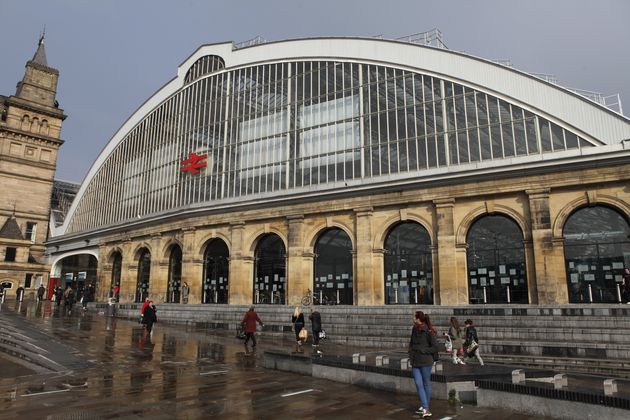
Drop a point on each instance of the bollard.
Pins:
(518, 376)
(438, 367)
(382, 360)
(404, 364)
(560, 381)
(610, 387)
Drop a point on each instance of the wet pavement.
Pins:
(181, 373)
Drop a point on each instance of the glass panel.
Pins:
(557, 136)
(530, 127)
(333, 281)
(596, 251)
(408, 265)
(496, 261)
(215, 284)
(572, 141)
(545, 136)
(270, 271)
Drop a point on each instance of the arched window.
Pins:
(215, 272)
(496, 261)
(174, 275)
(116, 272)
(408, 265)
(596, 249)
(144, 274)
(333, 268)
(270, 271)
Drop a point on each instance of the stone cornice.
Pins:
(43, 109)
(39, 137)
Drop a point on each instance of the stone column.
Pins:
(451, 273)
(103, 276)
(365, 291)
(241, 268)
(297, 271)
(192, 266)
(129, 273)
(550, 276)
(157, 287)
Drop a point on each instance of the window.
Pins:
(31, 231)
(9, 255)
(27, 280)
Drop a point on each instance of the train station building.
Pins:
(366, 171)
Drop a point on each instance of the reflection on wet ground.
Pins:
(180, 373)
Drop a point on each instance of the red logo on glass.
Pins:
(193, 163)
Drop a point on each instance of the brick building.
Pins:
(30, 129)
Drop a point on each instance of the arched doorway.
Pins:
(333, 282)
(174, 275)
(215, 272)
(408, 264)
(596, 250)
(270, 270)
(496, 261)
(144, 275)
(116, 260)
(77, 271)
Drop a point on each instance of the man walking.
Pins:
(316, 321)
(249, 322)
(40, 293)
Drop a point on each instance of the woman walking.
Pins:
(472, 340)
(423, 350)
(455, 334)
(298, 324)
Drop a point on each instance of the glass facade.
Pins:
(496, 261)
(333, 280)
(215, 272)
(311, 125)
(408, 265)
(144, 276)
(270, 282)
(174, 275)
(596, 250)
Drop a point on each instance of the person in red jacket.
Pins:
(249, 323)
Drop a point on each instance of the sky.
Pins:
(114, 54)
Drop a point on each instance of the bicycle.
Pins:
(308, 298)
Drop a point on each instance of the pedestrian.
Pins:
(455, 335)
(117, 292)
(1, 293)
(144, 306)
(68, 298)
(185, 291)
(316, 327)
(19, 294)
(40, 292)
(625, 286)
(88, 296)
(58, 295)
(249, 323)
(471, 344)
(149, 316)
(423, 351)
(298, 324)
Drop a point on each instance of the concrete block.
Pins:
(382, 360)
(358, 358)
(560, 381)
(610, 387)
(404, 364)
(518, 376)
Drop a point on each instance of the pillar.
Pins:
(550, 275)
(452, 279)
(241, 268)
(192, 265)
(297, 272)
(366, 291)
(129, 272)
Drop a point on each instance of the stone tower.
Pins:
(30, 128)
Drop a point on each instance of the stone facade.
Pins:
(30, 128)
(539, 203)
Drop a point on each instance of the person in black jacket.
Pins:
(316, 322)
(423, 351)
(298, 324)
(471, 335)
(149, 317)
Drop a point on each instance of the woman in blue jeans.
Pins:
(422, 351)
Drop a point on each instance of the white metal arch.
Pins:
(58, 258)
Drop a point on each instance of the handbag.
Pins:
(303, 334)
(322, 334)
(472, 347)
